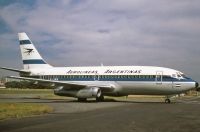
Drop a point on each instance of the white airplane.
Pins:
(98, 81)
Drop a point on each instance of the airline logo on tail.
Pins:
(28, 51)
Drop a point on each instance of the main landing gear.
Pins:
(100, 99)
(82, 99)
(167, 100)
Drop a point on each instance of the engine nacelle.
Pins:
(91, 92)
(62, 92)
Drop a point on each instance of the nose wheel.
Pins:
(167, 101)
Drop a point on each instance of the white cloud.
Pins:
(132, 32)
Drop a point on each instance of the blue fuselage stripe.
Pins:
(122, 79)
(95, 78)
(34, 61)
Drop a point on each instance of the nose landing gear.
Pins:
(167, 101)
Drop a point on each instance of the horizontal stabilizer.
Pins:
(15, 70)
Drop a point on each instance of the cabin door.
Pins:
(159, 77)
(96, 77)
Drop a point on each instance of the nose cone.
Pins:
(196, 84)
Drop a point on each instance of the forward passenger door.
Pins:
(159, 77)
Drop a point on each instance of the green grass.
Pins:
(19, 110)
(25, 91)
(35, 93)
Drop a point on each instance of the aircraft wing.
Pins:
(66, 85)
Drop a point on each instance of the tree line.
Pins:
(25, 85)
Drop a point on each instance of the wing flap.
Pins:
(67, 85)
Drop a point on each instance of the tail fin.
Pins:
(30, 56)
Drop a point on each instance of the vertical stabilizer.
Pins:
(30, 56)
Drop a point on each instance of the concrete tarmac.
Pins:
(183, 115)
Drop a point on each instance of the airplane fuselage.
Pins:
(126, 80)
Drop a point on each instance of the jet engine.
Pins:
(91, 92)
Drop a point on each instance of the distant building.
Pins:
(2, 83)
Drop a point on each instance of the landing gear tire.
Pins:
(100, 96)
(167, 101)
(82, 99)
(100, 99)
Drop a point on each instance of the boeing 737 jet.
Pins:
(99, 81)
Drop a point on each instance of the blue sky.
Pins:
(115, 32)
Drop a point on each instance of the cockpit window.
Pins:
(179, 75)
(183, 75)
